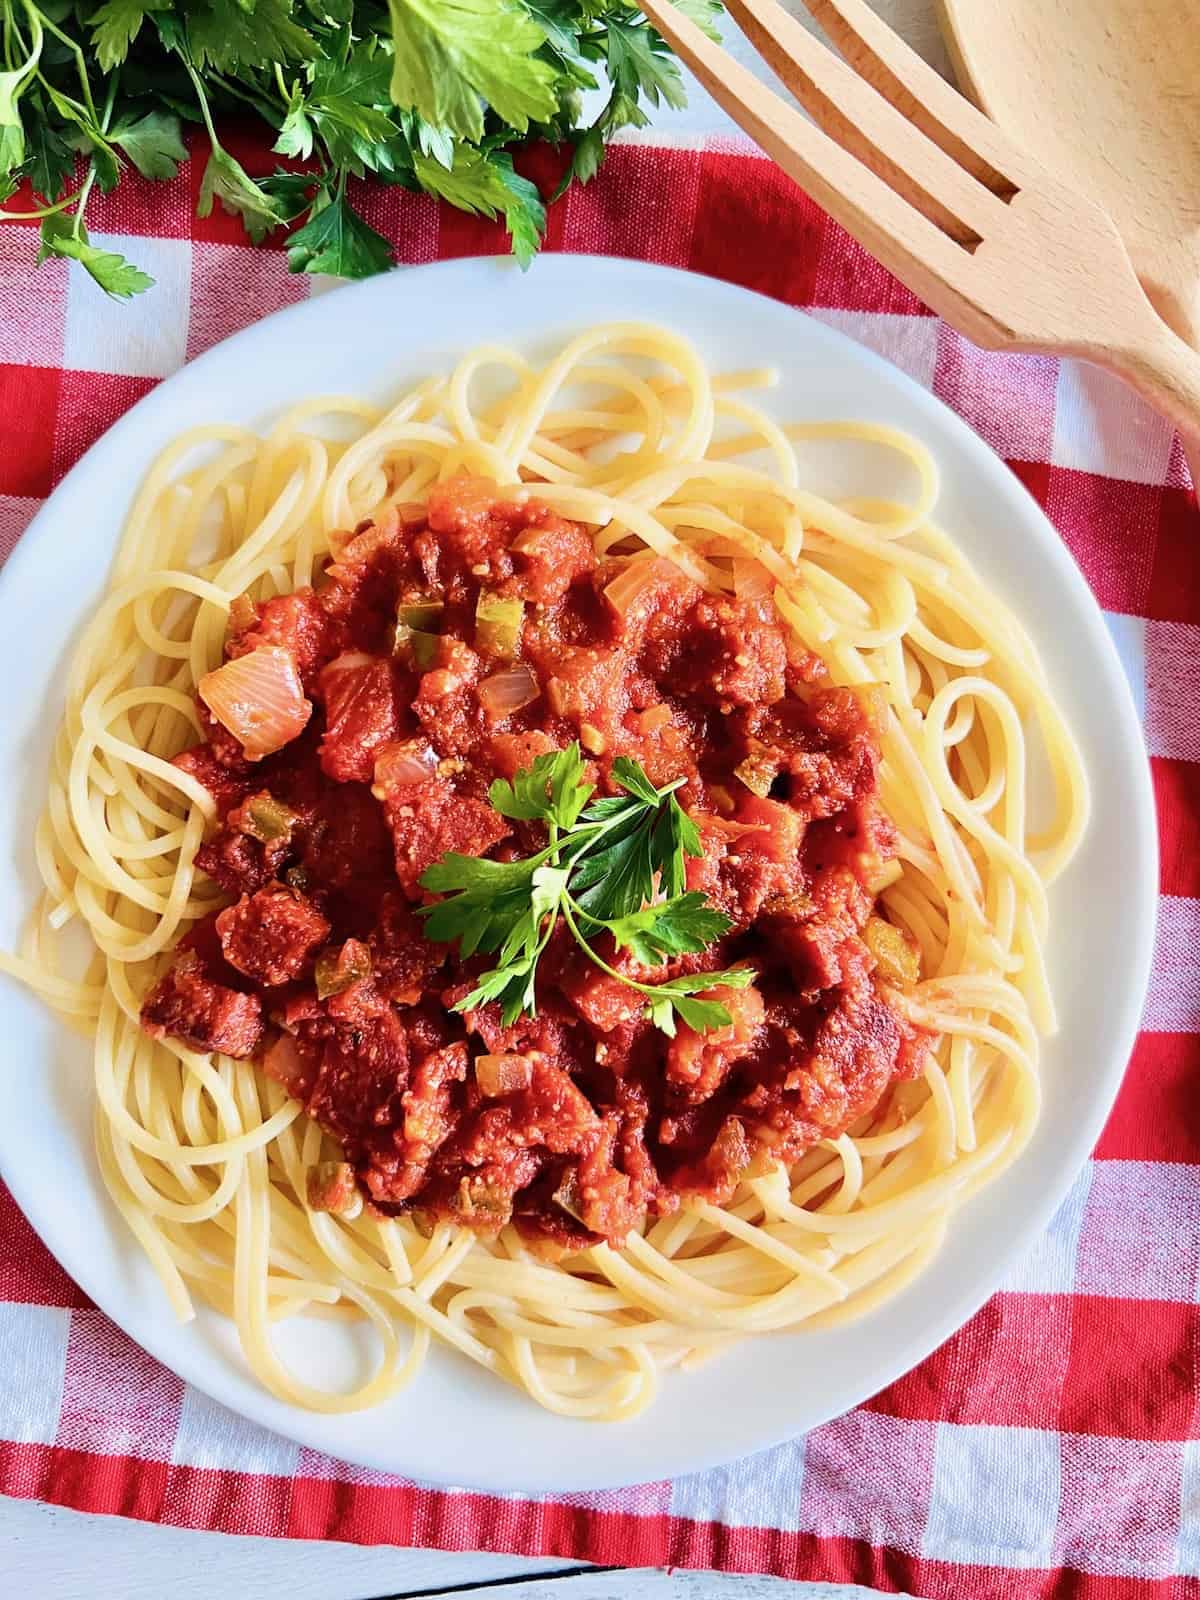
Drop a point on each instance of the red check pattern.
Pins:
(1051, 1449)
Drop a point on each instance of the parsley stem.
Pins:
(202, 99)
(80, 66)
(29, 65)
(568, 904)
(42, 211)
(84, 191)
(259, 102)
(110, 100)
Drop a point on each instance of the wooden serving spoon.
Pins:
(1107, 93)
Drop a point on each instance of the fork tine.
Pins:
(878, 54)
(866, 123)
(899, 235)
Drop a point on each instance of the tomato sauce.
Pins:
(587, 1117)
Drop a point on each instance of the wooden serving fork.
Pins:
(968, 220)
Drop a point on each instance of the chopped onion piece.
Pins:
(507, 691)
(563, 697)
(348, 661)
(484, 1204)
(638, 576)
(413, 761)
(654, 717)
(751, 581)
(758, 772)
(503, 1074)
(284, 1063)
(411, 514)
(259, 698)
(726, 825)
(567, 1194)
(243, 614)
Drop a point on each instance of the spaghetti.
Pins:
(625, 432)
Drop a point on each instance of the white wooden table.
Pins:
(50, 1554)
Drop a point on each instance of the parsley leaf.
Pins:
(51, 158)
(634, 781)
(702, 1015)
(680, 926)
(640, 63)
(336, 240)
(485, 899)
(152, 143)
(559, 20)
(589, 153)
(452, 55)
(348, 107)
(651, 837)
(116, 276)
(704, 14)
(116, 24)
(293, 192)
(488, 186)
(524, 213)
(226, 180)
(552, 790)
(296, 132)
(229, 37)
(104, 158)
(437, 143)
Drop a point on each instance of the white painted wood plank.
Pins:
(647, 1584)
(47, 1553)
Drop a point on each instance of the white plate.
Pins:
(456, 1424)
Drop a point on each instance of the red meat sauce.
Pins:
(318, 966)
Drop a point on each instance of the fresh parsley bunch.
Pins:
(615, 866)
(429, 94)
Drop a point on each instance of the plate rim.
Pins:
(956, 1309)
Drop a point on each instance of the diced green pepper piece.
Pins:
(498, 621)
(268, 819)
(418, 623)
(338, 969)
(422, 646)
(424, 615)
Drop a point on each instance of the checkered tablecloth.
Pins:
(1051, 1448)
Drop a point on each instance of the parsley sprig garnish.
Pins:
(616, 866)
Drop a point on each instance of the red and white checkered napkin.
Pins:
(1051, 1448)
